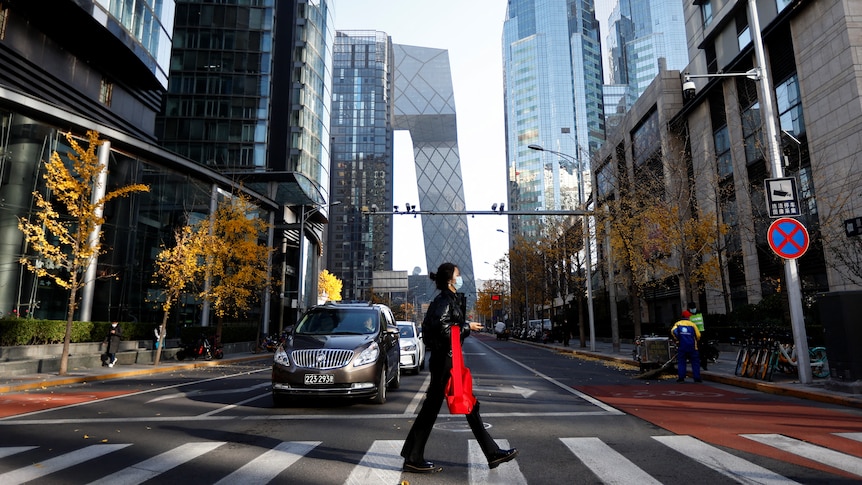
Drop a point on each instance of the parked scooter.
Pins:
(202, 348)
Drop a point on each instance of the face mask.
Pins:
(458, 283)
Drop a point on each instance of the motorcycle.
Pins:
(201, 348)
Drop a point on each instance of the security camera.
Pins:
(688, 88)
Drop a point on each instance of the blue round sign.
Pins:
(788, 238)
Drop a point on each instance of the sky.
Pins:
(472, 31)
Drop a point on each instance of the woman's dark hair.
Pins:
(443, 275)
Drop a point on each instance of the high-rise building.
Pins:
(362, 170)
(640, 33)
(70, 66)
(552, 65)
(249, 96)
(379, 87)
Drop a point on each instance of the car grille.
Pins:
(322, 358)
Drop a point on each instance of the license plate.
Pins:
(319, 379)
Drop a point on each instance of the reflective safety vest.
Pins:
(697, 320)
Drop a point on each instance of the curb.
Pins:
(53, 381)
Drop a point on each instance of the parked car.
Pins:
(412, 347)
(348, 350)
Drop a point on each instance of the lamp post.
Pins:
(587, 245)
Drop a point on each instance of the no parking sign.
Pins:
(788, 238)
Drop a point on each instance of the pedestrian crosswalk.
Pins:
(381, 463)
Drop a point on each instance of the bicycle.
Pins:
(786, 360)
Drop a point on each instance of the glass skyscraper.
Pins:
(552, 67)
(361, 160)
(641, 32)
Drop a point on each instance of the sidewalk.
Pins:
(821, 390)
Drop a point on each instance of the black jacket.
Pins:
(444, 312)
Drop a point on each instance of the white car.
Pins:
(412, 347)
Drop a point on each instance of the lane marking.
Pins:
(731, 466)
(47, 467)
(158, 464)
(380, 464)
(835, 459)
(14, 450)
(608, 464)
(506, 474)
(267, 466)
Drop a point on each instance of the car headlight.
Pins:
(281, 357)
(409, 347)
(368, 355)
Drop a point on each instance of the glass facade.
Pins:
(553, 97)
(641, 32)
(362, 170)
(425, 106)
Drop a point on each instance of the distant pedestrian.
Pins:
(686, 335)
(158, 337)
(112, 342)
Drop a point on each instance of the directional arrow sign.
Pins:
(788, 238)
(523, 391)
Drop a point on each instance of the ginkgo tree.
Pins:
(329, 286)
(178, 268)
(63, 233)
(237, 262)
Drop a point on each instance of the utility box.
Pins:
(841, 317)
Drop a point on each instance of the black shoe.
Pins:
(680, 380)
(421, 467)
(698, 380)
(501, 456)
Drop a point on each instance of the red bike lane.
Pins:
(23, 403)
(719, 417)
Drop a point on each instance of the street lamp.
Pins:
(587, 244)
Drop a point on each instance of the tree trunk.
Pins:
(161, 340)
(67, 339)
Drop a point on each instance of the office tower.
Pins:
(362, 168)
(70, 66)
(641, 32)
(553, 98)
(249, 96)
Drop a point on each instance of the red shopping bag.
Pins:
(459, 390)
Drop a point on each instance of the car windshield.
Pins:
(337, 322)
(406, 331)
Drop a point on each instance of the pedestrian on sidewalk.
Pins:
(112, 343)
(444, 313)
(686, 336)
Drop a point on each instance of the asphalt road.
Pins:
(575, 421)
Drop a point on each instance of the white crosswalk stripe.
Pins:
(816, 453)
(47, 467)
(610, 466)
(743, 471)
(157, 465)
(505, 474)
(382, 462)
(265, 467)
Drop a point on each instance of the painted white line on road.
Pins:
(506, 474)
(380, 464)
(121, 396)
(47, 467)
(159, 464)
(214, 392)
(267, 466)
(850, 436)
(417, 398)
(235, 405)
(569, 389)
(283, 417)
(731, 466)
(14, 450)
(609, 465)
(832, 458)
(523, 391)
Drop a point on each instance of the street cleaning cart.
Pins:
(654, 355)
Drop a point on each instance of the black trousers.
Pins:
(439, 365)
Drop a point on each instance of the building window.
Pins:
(782, 4)
(706, 12)
(790, 116)
(743, 33)
(723, 161)
(106, 91)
